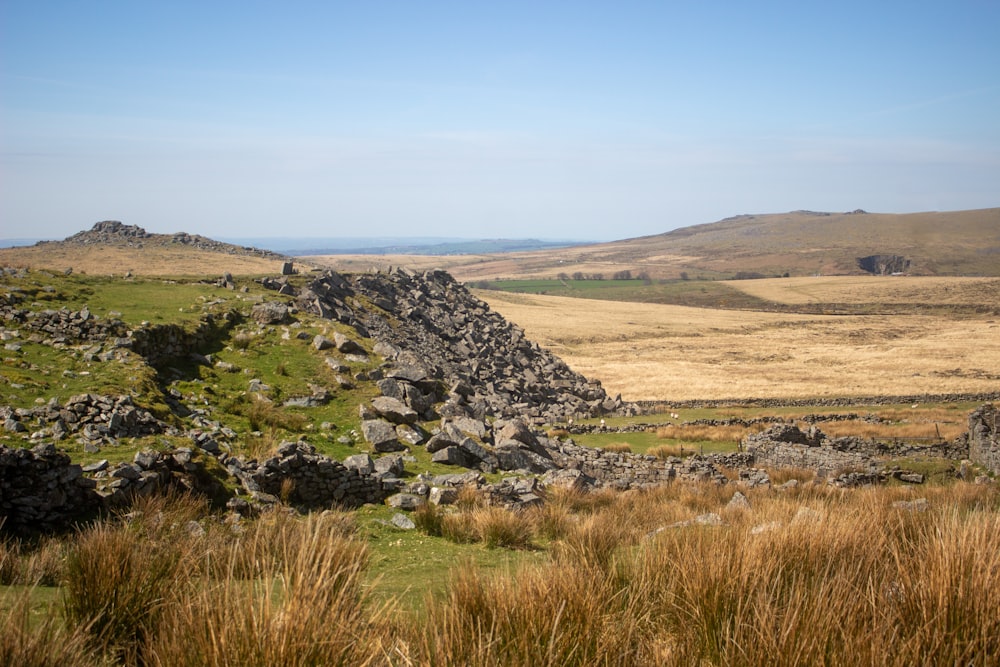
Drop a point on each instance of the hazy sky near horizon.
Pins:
(582, 120)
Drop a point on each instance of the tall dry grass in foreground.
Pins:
(810, 575)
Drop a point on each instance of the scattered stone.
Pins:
(321, 342)
(442, 495)
(739, 502)
(361, 462)
(270, 312)
(918, 505)
(394, 410)
(405, 501)
(402, 521)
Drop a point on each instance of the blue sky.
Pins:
(579, 120)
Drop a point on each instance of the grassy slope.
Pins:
(802, 244)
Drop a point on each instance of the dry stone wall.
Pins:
(41, 490)
(786, 446)
(300, 476)
(984, 438)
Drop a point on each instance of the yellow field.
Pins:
(874, 289)
(155, 260)
(656, 352)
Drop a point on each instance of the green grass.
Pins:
(408, 565)
(699, 293)
(36, 373)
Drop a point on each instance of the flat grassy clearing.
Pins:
(665, 352)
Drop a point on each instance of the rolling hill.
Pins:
(957, 243)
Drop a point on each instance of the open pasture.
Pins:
(664, 352)
(875, 290)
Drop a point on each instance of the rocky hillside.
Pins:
(435, 327)
(111, 247)
(386, 370)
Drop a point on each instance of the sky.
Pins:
(555, 120)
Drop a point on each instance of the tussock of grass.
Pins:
(622, 447)
(27, 642)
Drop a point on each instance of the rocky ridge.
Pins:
(115, 233)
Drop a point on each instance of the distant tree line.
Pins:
(617, 275)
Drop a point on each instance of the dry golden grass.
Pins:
(155, 260)
(810, 575)
(658, 352)
(874, 290)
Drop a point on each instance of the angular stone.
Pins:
(438, 442)
(402, 522)
(394, 410)
(389, 465)
(918, 505)
(145, 458)
(454, 456)
(738, 502)
(405, 501)
(409, 434)
(361, 462)
(347, 346)
(473, 427)
(269, 312)
(512, 455)
(442, 495)
(321, 342)
(408, 372)
(381, 435)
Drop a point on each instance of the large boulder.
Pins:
(381, 435)
(269, 312)
(394, 410)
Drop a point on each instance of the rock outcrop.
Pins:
(884, 265)
(477, 362)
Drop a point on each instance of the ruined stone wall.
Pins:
(984, 438)
(41, 490)
(625, 470)
(825, 460)
(303, 478)
(160, 343)
(787, 446)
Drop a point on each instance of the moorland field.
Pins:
(798, 571)
(918, 335)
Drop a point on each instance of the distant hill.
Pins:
(401, 245)
(110, 247)
(956, 243)
(803, 242)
